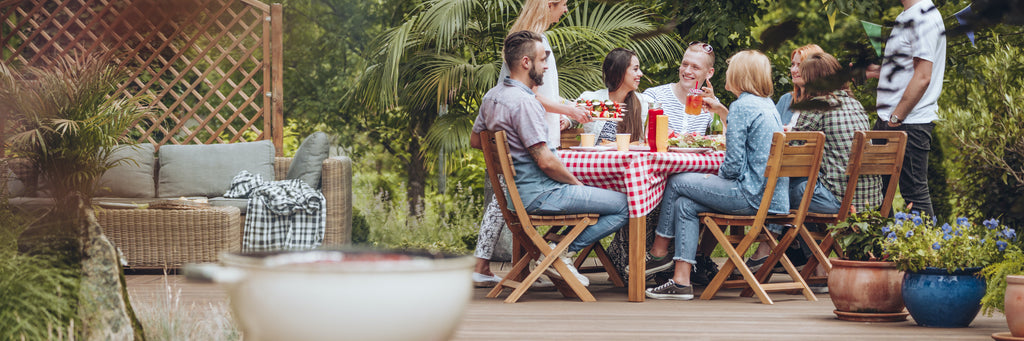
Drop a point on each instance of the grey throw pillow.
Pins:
(308, 160)
(207, 170)
(133, 177)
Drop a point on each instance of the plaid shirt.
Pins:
(286, 214)
(844, 116)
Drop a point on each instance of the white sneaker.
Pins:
(566, 257)
(485, 281)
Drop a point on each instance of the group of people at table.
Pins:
(526, 105)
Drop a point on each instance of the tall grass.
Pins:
(38, 293)
(166, 318)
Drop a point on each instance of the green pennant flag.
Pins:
(874, 32)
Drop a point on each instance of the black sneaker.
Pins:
(671, 291)
(655, 265)
(704, 271)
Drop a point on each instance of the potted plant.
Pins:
(942, 286)
(1005, 280)
(864, 286)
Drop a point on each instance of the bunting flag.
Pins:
(874, 32)
(960, 18)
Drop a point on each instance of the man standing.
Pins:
(545, 185)
(697, 66)
(909, 84)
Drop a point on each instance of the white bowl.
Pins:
(344, 295)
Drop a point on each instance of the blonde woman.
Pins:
(536, 16)
(798, 94)
(739, 184)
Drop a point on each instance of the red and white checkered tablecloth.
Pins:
(641, 175)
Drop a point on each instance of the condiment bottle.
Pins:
(652, 125)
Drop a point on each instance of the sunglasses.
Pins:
(707, 48)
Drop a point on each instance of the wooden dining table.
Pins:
(641, 176)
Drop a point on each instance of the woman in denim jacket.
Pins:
(737, 189)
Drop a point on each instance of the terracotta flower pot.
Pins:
(1015, 305)
(866, 291)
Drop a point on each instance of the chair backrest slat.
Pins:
(490, 141)
(793, 154)
(874, 153)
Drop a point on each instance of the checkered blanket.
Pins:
(286, 214)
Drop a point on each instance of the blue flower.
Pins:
(947, 236)
(885, 229)
(892, 235)
(936, 246)
(935, 220)
(962, 221)
(910, 234)
(901, 216)
(1001, 245)
(1010, 233)
(991, 224)
(918, 221)
(957, 232)
(946, 228)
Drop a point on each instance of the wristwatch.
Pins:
(894, 119)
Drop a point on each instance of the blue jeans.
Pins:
(686, 196)
(611, 205)
(823, 201)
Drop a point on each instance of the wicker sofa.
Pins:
(170, 238)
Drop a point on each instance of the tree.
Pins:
(432, 69)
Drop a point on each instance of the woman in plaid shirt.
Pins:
(833, 111)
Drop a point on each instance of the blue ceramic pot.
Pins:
(936, 298)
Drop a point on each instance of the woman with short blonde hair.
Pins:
(749, 71)
(739, 184)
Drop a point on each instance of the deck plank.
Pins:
(548, 316)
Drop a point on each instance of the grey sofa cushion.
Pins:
(207, 170)
(130, 179)
(307, 165)
(241, 203)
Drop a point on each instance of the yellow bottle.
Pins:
(661, 133)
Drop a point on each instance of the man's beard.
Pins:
(536, 77)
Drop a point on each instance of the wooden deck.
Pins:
(546, 315)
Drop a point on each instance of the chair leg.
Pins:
(613, 274)
(778, 254)
(735, 261)
(506, 282)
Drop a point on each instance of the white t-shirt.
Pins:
(919, 33)
(678, 120)
(549, 90)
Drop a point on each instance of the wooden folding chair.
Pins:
(793, 154)
(524, 229)
(873, 153)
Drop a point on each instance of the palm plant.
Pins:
(62, 119)
(425, 76)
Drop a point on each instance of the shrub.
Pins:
(984, 111)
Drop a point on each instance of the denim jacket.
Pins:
(751, 122)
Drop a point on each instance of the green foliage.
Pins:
(861, 235)
(995, 279)
(984, 112)
(916, 242)
(65, 122)
(360, 228)
(38, 293)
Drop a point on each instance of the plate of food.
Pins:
(593, 149)
(602, 110)
(693, 140)
(689, 150)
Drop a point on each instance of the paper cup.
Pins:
(586, 140)
(622, 142)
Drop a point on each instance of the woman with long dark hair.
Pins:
(621, 73)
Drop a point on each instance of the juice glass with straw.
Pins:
(695, 100)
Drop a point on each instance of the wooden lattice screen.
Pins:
(213, 67)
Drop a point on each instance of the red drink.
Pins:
(652, 114)
(694, 101)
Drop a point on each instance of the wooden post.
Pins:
(277, 72)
